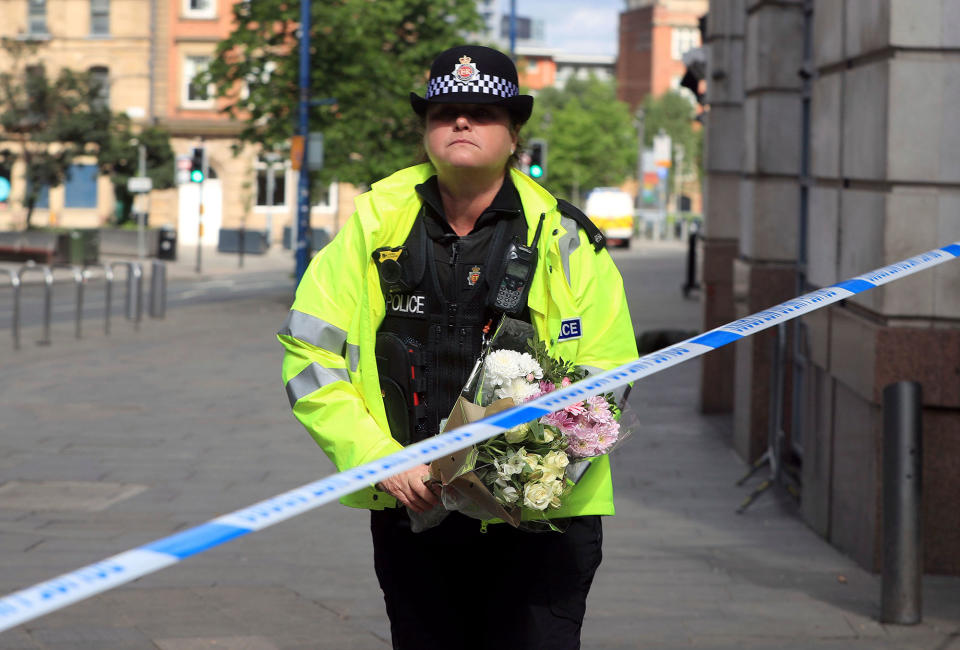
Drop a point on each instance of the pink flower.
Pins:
(566, 381)
(547, 387)
(575, 409)
(559, 419)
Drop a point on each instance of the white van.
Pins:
(611, 209)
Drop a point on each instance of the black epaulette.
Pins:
(568, 209)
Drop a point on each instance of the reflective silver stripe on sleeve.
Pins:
(312, 378)
(620, 394)
(568, 243)
(353, 356)
(315, 331)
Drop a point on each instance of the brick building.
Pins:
(653, 37)
(149, 51)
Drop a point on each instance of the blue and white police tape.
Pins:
(69, 588)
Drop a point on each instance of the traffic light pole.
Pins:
(303, 193)
(200, 211)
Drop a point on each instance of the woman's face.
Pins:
(477, 136)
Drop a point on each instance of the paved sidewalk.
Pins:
(109, 444)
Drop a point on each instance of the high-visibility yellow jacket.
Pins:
(329, 367)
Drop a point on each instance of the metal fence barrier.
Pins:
(133, 298)
(15, 321)
(47, 295)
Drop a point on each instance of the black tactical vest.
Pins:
(432, 333)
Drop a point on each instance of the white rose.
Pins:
(513, 463)
(517, 434)
(556, 460)
(537, 496)
(510, 494)
(533, 460)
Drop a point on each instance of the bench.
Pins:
(38, 246)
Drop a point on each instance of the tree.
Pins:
(119, 157)
(366, 56)
(591, 137)
(674, 113)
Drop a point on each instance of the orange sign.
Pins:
(296, 152)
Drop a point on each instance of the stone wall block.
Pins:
(867, 26)
(726, 18)
(771, 146)
(915, 120)
(827, 32)
(726, 62)
(855, 508)
(865, 122)
(916, 23)
(928, 356)
(823, 228)
(817, 449)
(941, 484)
(721, 200)
(910, 227)
(724, 139)
(946, 277)
(774, 48)
(853, 352)
(862, 215)
(768, 229)
(949, 134)
(950, 24)
(825, 112)
(817, 326)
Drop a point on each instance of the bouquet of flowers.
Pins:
(522, 473)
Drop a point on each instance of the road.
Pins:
(108, 444)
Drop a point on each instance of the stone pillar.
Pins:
(722, 158)
(885, 162)
(769, 199)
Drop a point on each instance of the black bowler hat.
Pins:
(473, 74)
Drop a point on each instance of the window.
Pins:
(100, 77)
(196, 95)
(199, 8)
(683, 39)
(37, 17)
(326, 197)
(99, 17)
(279, 184)
(80, 190)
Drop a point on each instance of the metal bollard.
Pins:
(691, 282)
(79, 278)
(133, 301)
(15, 324)
(158, 289)
(108, 294)
(902, 482)
(47, 295)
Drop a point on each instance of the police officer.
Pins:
(386, 325)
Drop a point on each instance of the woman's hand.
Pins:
(411, 488)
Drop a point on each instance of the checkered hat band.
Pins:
(487, 84)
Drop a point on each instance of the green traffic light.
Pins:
(536, 171)
(196, 176)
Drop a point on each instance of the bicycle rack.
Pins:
(133, 304)
(15, 325)
(47, 295)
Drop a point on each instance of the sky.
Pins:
(576, 26)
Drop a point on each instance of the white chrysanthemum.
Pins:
(501, 366)
(529, 366)
(518, 388)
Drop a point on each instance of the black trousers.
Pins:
(454, 586)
